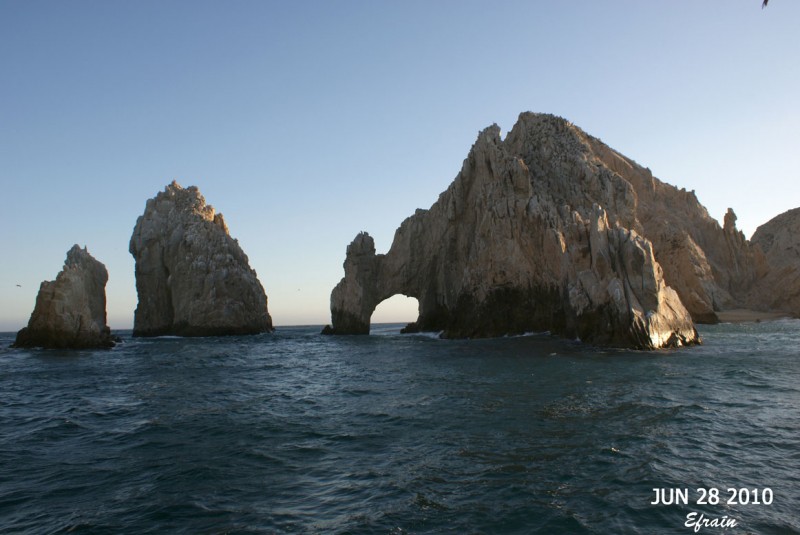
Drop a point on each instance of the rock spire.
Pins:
(192, 277)
(70, 311)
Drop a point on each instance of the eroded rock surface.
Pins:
(537, 232)
(712, 268)
(779, 239)
(70, 311)
(192, 277)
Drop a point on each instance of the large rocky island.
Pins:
(70, 311)
(192, 277)
(551, 229)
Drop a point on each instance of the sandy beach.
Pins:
(743, 315)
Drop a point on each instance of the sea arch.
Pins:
(369, 280)
(396, 309)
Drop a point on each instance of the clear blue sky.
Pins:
(307, 122)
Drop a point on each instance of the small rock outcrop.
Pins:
(70, 311)
(192, 277)
(536, 233)
(779, 240)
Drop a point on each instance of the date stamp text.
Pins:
(731, 496)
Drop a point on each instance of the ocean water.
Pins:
(294, 432)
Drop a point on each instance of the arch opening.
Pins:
(394, 314)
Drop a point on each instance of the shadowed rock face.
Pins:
(536, 233)
(70, 311)
(192, 278)
(779, 239)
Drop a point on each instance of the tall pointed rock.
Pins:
(192, 277)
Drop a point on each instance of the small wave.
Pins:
(529, 334)
(427, 334)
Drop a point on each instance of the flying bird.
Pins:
(764, 4)
(19, 286)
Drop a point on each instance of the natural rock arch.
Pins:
(396, 309)
(371, 279)
(537, 232)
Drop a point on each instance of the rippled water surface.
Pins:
(294, 432)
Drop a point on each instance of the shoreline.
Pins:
(743, 315)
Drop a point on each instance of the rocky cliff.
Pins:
(711, 267)
(192, 277)
(70, 312)
(540, 231)
(779, 239)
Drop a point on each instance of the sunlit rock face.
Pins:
(779, 239)
(70, 311)
(712, 268)
(192, 278)
(536, 233)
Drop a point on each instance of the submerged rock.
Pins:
(536, 233)
(70, 311)
(192, 277)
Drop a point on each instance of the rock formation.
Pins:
(711, 267)
(192, 278)
(70, 311)
(779, 239)
(540, 231)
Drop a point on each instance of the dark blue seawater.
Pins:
(299, 433)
